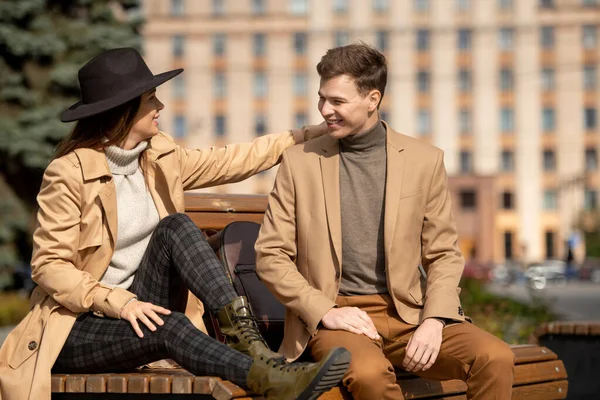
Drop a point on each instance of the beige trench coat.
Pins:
(75, 239)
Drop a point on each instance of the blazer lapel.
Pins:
(393, 186)
(330, 173)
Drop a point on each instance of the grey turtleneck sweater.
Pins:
(362, 193)
(137, 215)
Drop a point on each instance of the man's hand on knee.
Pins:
(424, 346)
(351, 319)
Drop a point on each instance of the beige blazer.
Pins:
(299, 247)
(75, 240)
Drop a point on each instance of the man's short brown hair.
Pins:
(366, 65)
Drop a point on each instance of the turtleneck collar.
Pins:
(124, 162)
(373, 138)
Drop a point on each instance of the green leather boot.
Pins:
(275, 379)
(238, 325)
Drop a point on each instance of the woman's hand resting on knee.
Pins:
(144, 312)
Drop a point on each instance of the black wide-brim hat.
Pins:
(111, 79)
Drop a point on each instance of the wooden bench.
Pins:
(539, 374)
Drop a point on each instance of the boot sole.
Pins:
(329, 376)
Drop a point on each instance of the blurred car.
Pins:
(507, 273)
(550, 271)
(590, 270)
(475, 270)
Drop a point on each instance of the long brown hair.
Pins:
(100, 131)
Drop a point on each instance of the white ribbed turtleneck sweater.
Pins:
(137, 215)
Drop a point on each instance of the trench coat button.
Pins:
(32, 345)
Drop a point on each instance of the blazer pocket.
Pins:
(91, 230)
(411, 193)
(417, 293)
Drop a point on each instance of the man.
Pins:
(352, 217)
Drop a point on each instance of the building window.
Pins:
(591, 159)
(589, 119)
(179, 126)
(508, 245)
(508, 161)
(505, 4)
(260, 124)
(589, 3)
(466, 162)
(464, 80)
(384, 115)
(178, 86)
(468, 199)
(589, 77)
(177, 8)
(506, 39)
(508, 200)
(220, 85)
(550, 245)
(381, 38)
(300, 84)
(423, 81)
(219, 43)
(507, 120)
(258, 7)
(220, 125)
(178, 45)
(218, 7)
(300, 43)
(300, 119)
(463, 5)
(549, 160)
(381, 6)
(507, 82)
(547, 37)
(260, 84)
(422, 39)
(259, 44)
(464, 39)
(589, 38)
(464, 121)
(340, 6)
(548, 119)
(547, 79)
(424, 122)
(547, 3)
(421, 6)
(590, 199)
(550, 200)
(341, 38)
(299, 7)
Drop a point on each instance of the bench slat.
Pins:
(75, 384)
(182, 384)
(209, 202)
(225, 390)
(539, 372)
(541, 391)
(96, 384)
(205, 384)
(138, 383)
(117, 383)
(160, 384)
(58, 383)
(531, 353)
(217, 220)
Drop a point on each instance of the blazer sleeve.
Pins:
(276, 252)
(233, 163)
(441, 257)
(55, 246)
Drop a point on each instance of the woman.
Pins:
(113, 254)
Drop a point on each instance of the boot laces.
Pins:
(248, 326)
(283, 365)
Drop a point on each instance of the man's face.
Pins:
(345, 109)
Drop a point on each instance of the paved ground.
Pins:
(573, 301)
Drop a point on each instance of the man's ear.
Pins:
(374, 97)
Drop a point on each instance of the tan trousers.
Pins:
(468, 353)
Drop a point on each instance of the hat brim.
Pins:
(80, 110)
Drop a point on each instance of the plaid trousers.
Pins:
(177, 258)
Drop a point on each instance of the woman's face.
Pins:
(145, 123)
